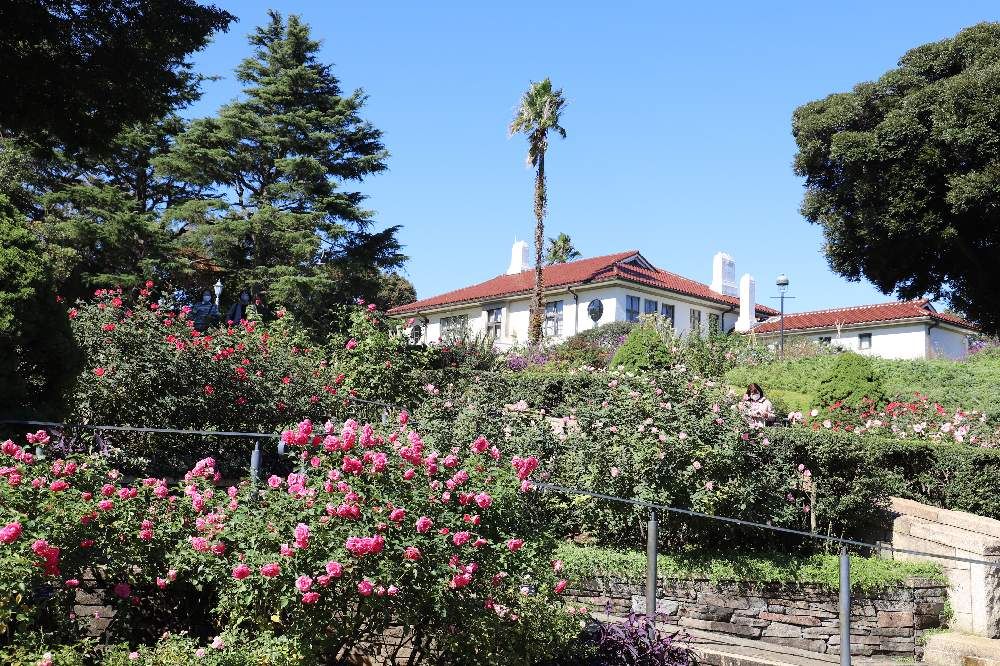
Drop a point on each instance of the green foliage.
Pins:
(852, 471)
(146, 366)
(37, 354)
(868, 574)
(850, 380)
(901, 174)
(561, 250)
(72, 86)
(278, 159)
(394, 290)
(101, 216)
(644, 349)
(970, 384)
(237, 649)
(258, 559)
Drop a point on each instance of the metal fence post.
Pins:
(845, 607)
(255, 463)
(652, 533)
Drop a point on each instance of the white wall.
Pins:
(514, 329)
(899, 341)
(948, 343)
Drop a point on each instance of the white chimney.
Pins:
(518, 258)
(723, 274)
(748, 304)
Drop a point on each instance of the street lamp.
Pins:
(218, 291)
(782, 283)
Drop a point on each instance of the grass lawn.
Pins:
(868, 574)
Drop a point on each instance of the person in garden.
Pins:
(756, 408)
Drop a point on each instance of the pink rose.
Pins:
(424, 524)
(411, 553)
(560, 586)
(241, 571)
(460, 538)
(334, 569)
(310, 597)
(72, 583)
(303, 583)
(351, 344)
(10, 532)
(122, 590)
(270, 570)
(515, 544)
(365, 588)
(483, 500)
(397, 515)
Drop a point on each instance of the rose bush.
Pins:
(915, 419)
(378, 529)
(148, 366)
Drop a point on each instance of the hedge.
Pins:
(851, 470)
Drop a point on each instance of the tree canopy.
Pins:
(561, 250)
(903, 174)
(280, 219)
(76, 72)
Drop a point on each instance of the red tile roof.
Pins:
(861, 314)
(583, 271)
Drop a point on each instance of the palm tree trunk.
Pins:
(537, 310)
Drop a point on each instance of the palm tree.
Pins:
(561, 250)
(537, 115)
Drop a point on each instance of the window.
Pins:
(825, 339)
(650, 307)
(494, 320)
(631, 308)
(415, 333)
(553, 318)
(714, 323)
(453, 328)
(695, 320)
(865, 341)
(668, 312)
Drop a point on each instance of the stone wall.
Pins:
(974, 589)
(806, 617)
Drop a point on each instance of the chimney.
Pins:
(723, 274)
(518, 258)
(748, 305)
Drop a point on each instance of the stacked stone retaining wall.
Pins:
(890, 623)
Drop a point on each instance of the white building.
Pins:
(583, 294)
(900, 329)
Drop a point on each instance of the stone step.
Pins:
(715, 649)
(955, 649)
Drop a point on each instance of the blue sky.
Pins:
(679, 140)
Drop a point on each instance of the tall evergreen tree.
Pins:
(279, 157)
(101, 217)
(537, 115)
(77, 72)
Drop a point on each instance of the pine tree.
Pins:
(278, 158)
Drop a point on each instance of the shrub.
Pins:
(851, 380)
(634, 642)
(852, 470)
(331, 556)
(644, 349)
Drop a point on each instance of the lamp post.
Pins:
(782, 283)
(218, 291)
